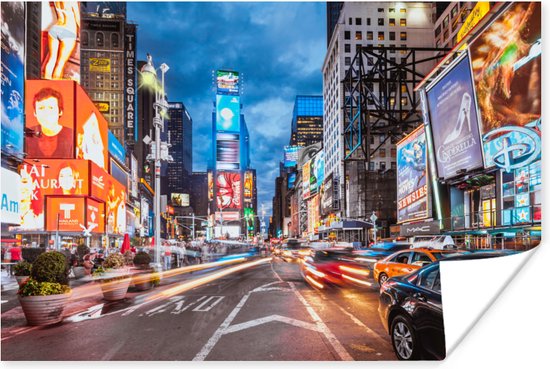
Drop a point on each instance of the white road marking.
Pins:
(162, 308)
(204, 307)
(181, 309)
(4, 301)
(272, 318)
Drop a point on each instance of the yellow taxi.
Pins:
(406, 261)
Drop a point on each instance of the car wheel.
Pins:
(382, 278)
(403, 338)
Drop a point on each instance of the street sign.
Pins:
(373, 218)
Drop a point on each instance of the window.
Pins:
(403, 10)
(371, 165)
(369, 35)
(368, 21)
(430, 279)
(349, 21)
(347, 60)
(347, 35)
(382, 165)
(357, 47)
(393, 151)
(347, 48)
(403, 22)
(84, 38)
(382, 153)
(99, 39)
(380, 10)
(391, 10)
(392, 36)
(380, 21)
(393, 165)
(420, 259)
(114, 40)
(437, 30)
(380, 36)
(392, 22)
(404, 101)
(446, 22)
(404, 88)
(358, 35)
(392, 48)
(403, 36)
(454, 12)
(358, 21)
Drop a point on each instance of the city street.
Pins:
(263, 313)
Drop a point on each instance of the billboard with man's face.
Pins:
(60, 40)
(49, 119)
(13, 76)
(412, 184)
(506, 65)
(453, 118)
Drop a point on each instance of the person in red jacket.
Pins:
(15, 252)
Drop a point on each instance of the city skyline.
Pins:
(287, 41)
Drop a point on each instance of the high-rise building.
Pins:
(450, 20)
(307, 120)
(180, 126)
(333, 13)
(199, 193)
(386, 24)
(102, 68)
(145, 113)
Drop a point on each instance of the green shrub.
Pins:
(35, 288)
(114, 261)
(22, 268)
(31, 253)
(128, 257)
(51, 267)
(142, 259)
(81, 251)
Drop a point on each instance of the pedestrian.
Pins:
(167, 257)
(15, 254)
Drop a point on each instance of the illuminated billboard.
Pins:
(317, 172)
(60, 39)
(179, 199)
(115, 148)
(57, 177)
(91, 131)
(210, 187)
(291, 181)
(49, 119)
(65, 214)
(412, 187)
(11, 197)
(291, 156)
(227, 82)
(102, 65)
(13, 76)
(248, 190)
(95, 216)
(306, 175)
(506, 66)
(227, 148)
(454, 122)
(228, 113)
(228, 190)
(118, 173)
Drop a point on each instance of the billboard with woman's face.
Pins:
(49, 119)
(91, 131)
(58, 177)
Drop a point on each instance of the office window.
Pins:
(404, 101)
(349, 21)
(380, 10)
(403, 22)
(393, 152)
(403, 36)
(393, 165)
(391, 10)
(347, 35)
(347, 48)
(368, 21)
(437, 31)
(454, 12)
(446, 22)
(403, 10)
(380, 36)
(403, 88)
(382, 153)
(99, 39)
(392, 22)
(114, 40)
(383, 164)
(370, 35)
(358, 21)
(347, 60)
(84, 38)
(392, 48)
(371, 165)
(380, 21)
(357, 47)
(392, 59)
(358, 35)
(392, 36)
(392, 101)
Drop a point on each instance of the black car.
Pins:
(410, 309)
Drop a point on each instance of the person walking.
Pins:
(15, 254)
(167, 257)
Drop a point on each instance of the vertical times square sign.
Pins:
(130, 81)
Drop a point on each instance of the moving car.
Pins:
(368, 257)
(294, 250)
(334, 267)
(406, 261)
(440, 242)
(410, 310)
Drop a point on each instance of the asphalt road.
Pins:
(266, 312)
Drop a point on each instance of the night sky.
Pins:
(279, 49)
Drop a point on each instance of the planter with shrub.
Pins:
(22, 271)
(114, 277)
(143, 279)
(45, 294)
(30, 254)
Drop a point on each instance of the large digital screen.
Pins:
(228, 113)
(65, 214)
(506, 66)
(60, 39)
(11, 196)
(227, 148)
(91, 131)
(118, 173)
(115, 148)
(248, 191)
(179, 199)
(49, 119)
(317, 172)
(453, 118)
(306, 175)
(13, 76)
(134, 176)
(291, 156)
(228, 190)
(210, 187)
(95, 216)
(412, 184)
(227, 82)
(56, 177)
(291, 181)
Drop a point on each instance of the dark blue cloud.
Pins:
(278, 47)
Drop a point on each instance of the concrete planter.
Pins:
(142, 280)
(114, 290)
(44, 310)
(21, 279)
(79, 272)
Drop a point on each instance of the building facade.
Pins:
(180, 126)
(307, 120)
